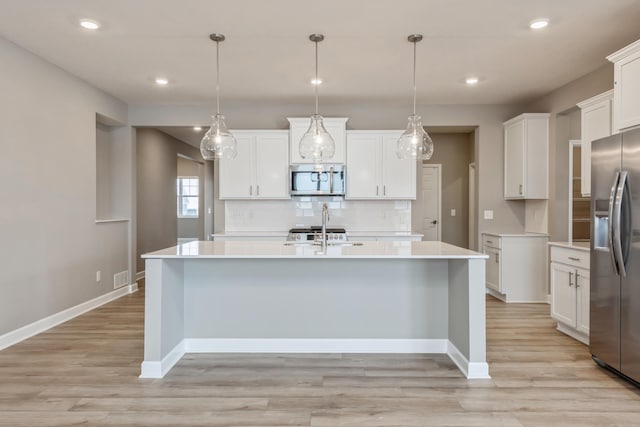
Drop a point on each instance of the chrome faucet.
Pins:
(325, 218)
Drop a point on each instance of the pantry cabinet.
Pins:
(526, 157)
(570, 290)
(261, 168)
(516, 270)
(336, 126)
(626, 86)
(595, 121)
(373, 169)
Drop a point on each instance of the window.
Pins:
(188, 196)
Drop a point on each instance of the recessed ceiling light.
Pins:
(471, 80)
(538, 24)
(316, 81)
(197, 128)
(89, 24)
(161, 81)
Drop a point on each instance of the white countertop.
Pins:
(489, 233)
(269, 249)
(251, 234)
(581, 246)
(356, 234)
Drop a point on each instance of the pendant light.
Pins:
(415, 142)
(218, 142)
(316, 144)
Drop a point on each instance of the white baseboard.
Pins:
(296, 345)
(568, 330)
(27, 331)
(139, 275)
(471, 370)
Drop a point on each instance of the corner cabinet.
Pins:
(526, 157)
(261, 168)
(373, 169)
(626, 86)
(570, 290)
(336, 126)
(516, 270)
(595, 124)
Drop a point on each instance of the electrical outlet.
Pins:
(98, 274)
(453, 212)
(488, 214)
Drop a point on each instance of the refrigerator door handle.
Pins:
(612, 202)
(617, 239)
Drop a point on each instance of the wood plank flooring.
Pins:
(85, 372)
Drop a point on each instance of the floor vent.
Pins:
(120, 279)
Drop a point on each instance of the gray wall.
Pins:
(52, 246)
(508, 217)
(452, 151)
(156, 171)
(564, 125)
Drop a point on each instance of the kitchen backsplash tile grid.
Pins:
(278, 215)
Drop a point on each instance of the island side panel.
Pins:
(164, 314)
(467, 311)
(316, 299)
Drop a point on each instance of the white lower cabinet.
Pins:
(570, 291)
(516, 270)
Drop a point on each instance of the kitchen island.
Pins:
(272, 297)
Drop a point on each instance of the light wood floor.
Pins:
(85, 372)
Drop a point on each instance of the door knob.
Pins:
(434, 222)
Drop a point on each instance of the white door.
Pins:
(237, 175)
(430, 203)
(363, 160)
(493, 269)
(563, 294)
(582, 283)
(398, 176)
(514, 136)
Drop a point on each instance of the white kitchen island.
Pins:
(268, 297)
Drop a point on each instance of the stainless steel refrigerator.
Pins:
(614, 331)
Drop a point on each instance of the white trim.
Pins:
(160, 369)
(139, 275)
(106, 221)
(471, 370)
(568, 330)
(438, 168)
(475, 370)
(27, 331)
(314, 345)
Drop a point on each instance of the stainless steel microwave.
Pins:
(317, 180)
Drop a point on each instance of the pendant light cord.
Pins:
(317, 82)
(414, 78)
(218, 77)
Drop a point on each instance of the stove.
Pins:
(315, 232)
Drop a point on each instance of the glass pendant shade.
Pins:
(218, 142)
(316, 144)
(415, 142)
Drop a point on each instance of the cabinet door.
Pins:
(626, 88)
(363, 158)
(493, 269)
(563, 294)
(272, 166)
(596, 123)
(514, 151)
(398, 176)
(236, 176)
(582, 283)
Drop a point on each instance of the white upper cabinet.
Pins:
(526, 157)
(336, 126)
(626, 86)
(261, 168)
(595, 124)
(373, 169)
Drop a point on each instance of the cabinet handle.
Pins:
(574, 259)
(497, 258)
(257, 190)
(520, 189)
(377, 188)
(570, 277)
(577, 275)
(251, 190)
(490, 241)
(384, 190)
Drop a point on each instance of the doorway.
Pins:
(430, 201)
(472, 206)
(190, 204)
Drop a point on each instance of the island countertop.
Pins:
(271, 249)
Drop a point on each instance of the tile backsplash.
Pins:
(353, 215)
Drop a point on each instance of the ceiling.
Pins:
(268, 57)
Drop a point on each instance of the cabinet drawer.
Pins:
(573, 257)
(491, 241)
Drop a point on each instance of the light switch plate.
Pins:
(488, 214)
(453, 212)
